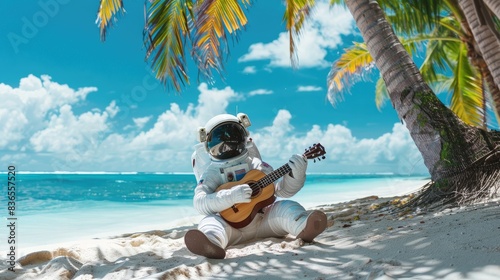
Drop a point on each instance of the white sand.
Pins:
(367, 241)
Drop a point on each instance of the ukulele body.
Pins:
(241, 214)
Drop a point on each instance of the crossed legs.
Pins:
(279, 219)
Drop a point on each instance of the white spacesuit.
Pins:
(232, 154)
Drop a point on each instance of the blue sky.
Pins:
(71, 102)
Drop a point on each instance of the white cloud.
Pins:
(63, 140)
(260, 91)
(141, 122)
(40, 124)
(112, 109)
(249, 70)
(213, 101)
(167, 146)
(309, 88)
(178, 123)
(12, 129)
(23, 110)
(66, 132)
(391, 152)
(321, 33)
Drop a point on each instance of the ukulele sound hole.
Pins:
(256, 190)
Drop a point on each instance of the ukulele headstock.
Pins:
(315, 151)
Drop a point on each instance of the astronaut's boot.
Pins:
(198, 243)
(316, 224)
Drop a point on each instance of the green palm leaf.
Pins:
(435, 60)
(356, 64)
(352, 66)
(381, 94)
(296, 11)
(467, 100)
(166, 31)
(412, 17)
(426, 24)
(214, 18)
(106, 13)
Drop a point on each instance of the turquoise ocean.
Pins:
(64, 207)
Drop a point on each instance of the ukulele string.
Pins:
(278, 173)
(271, 177)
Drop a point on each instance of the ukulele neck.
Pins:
(275, 175)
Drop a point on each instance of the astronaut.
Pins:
(232, 154)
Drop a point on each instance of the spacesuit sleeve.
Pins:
(288, 185)
(206, 201)
(293, 181)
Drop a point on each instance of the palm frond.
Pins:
(468, 97)
(296, 12)
(215, 18)
(354, 65)
(450, 25)
(356, 62)
(436, 58)
(337, 2)
(166, 31)
(414, 44)
(496, 21)
(107, 13)
(381, 94)
(442, 84)
(412, 16)
(435, 23)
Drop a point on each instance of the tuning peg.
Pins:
(314, 160)
(323, 157)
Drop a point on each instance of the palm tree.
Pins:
(494, 6)
(461, 159)
(449, 48)
(468, 99)
(453, 151)
(486, 35)
(174, 25)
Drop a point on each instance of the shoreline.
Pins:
(368, 240)
(48, 221)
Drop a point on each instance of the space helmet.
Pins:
(225, 136)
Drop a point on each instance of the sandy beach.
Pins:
(366, 239)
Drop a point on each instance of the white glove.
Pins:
(207, 201)
(293, 181)
(237, 194)
(298, 164)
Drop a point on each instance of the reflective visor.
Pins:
(226, 140)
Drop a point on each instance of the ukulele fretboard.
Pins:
(273, 176)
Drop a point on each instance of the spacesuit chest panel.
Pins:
(234, 172)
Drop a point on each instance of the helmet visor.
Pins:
(226, 140)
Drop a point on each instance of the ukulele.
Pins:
(262, 185)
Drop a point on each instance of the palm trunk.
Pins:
(494, 6)
(448, 146)
(494, 91)
(486, 37)
(487, 40)
(477, 60)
